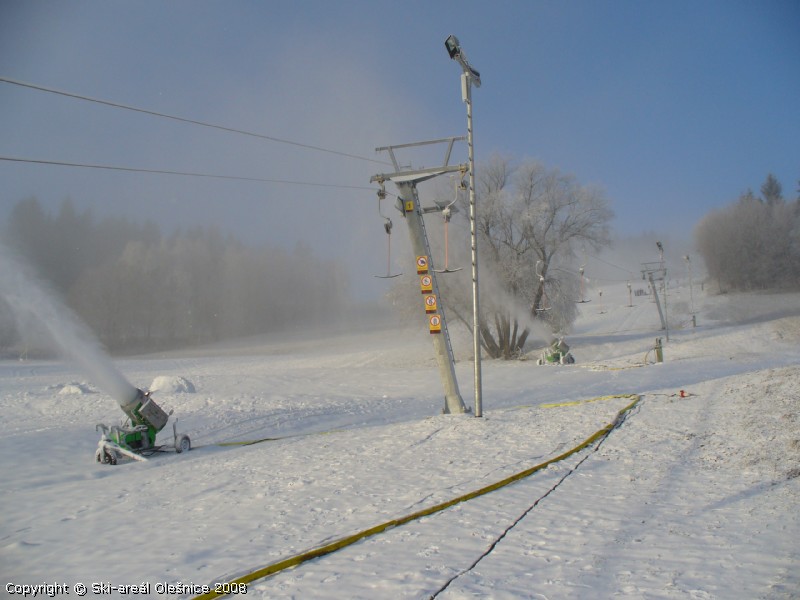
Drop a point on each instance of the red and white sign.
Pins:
(435, 323)
(430, 303)
(422, 265)
(426, 284)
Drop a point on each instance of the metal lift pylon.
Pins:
(408, 203)
(657, 272)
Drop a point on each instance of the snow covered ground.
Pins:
(690, 497)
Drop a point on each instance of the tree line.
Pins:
(753, 243)
(139, 289)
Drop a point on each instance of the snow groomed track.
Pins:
(343, 542)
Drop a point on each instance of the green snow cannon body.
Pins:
(556, 354)
(137, 437)
(143, 412)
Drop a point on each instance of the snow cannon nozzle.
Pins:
(142, 410)
(139, 395)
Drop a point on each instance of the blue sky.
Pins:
(674, 108)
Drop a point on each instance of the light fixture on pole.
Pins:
(456, 53)
(470, 77)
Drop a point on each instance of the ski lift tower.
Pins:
(657, 272)
(409, 206)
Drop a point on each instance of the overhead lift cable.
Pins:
(154, 113)
(610, 264)
(181, 173)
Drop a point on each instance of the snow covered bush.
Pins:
(752, 244)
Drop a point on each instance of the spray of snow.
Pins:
(28, 296)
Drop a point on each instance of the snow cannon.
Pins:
(136, 437)
(556, 354)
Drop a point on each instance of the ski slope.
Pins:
(689, 497)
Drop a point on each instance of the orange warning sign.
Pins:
(422, 265)
(426, 284)
(430, 303)
(435, 323)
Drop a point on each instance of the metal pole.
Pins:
(658, 304)
(473, 231)
(453, 403)
(691, 291)
(406, 182)
(470, 76)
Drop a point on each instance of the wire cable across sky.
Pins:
(42, 88)
(181, 173)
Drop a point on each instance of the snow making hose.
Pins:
(343, 542)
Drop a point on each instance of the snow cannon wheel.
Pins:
(183, 444)
(105, 457)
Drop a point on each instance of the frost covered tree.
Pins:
(772, 191)
(530, 222)
(752, 243)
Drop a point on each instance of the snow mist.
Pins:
(28, 296)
